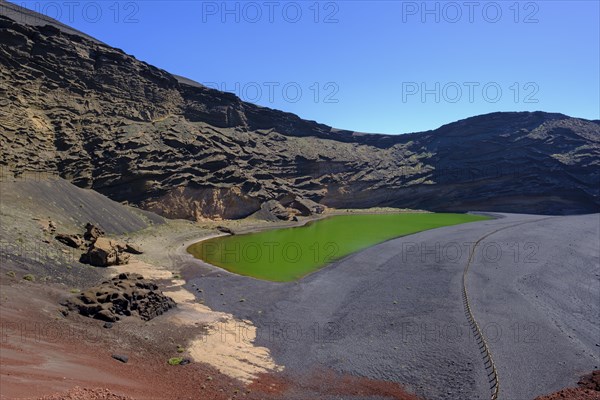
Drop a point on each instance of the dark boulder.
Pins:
(225, 229)
(92, 232)
(75, 241)
(120, 357)
(105, 252)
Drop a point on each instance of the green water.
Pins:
(288, 254)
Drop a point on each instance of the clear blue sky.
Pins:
(370, 60)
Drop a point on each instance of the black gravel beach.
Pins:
(534, 290)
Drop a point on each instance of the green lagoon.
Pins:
(288, 254)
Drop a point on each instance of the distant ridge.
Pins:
(104, 120)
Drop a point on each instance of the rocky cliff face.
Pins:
(104, 120)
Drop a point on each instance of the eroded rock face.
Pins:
(275, 209)
(125, 295)
(107, 121)
(199, 203)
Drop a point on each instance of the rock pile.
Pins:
(101, 251)
(124, 295)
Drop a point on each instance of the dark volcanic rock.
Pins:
(307, 207)
(275, 210)
(120, 357)
(107, 121)
(75, 241)
(225, 229)
(105, 252)
(124, 295)
(590, 381)
(92, 232)
(133, 248)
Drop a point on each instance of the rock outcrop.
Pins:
(101, 251)
(306, 207)
(104, 120)
(92, 232)
(124, 295)
(75, 241)
(105, 252)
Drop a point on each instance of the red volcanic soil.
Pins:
(322, 383)
(78, 393)
(44, 355)
(589, 389)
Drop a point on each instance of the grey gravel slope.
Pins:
(541, 305)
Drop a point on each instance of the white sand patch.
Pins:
(181, 296)
(227, 344)
(148, 271)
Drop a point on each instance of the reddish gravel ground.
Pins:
(46, 356)
(589, 389)
(321, 383)
(572, 394)
(78, 393)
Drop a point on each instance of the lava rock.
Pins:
(75, 241)
(307, 207)
(92, 232)
(124, 295)
(225, 229)
(120, 357)
(275, 209)
(133, 248)
(105, 252)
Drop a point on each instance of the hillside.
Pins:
(104, 120)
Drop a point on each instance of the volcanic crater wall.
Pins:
(104, 120)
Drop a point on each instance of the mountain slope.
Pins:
(107, 121)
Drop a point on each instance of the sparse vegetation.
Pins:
(11, 274)
(29, 277)
(175, 360)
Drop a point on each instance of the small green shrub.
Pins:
(74, 291)
(11, 274)
(29, 277)
(175, 360)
